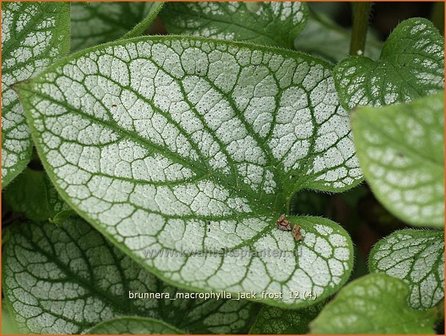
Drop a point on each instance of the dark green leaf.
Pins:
(269, 23)
(93, 23)
(32, 194)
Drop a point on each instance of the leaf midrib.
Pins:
(219, 178)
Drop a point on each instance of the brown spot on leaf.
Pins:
(296, 232)
(283, 223)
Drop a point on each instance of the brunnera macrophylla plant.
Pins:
(206, 171)
(171, 164)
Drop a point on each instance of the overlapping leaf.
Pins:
(65, 279)
(321, 36)
(93, 23)
(400, 148)
(186, 151)
(411, 66)
(134, 326)
(32, 194)
(418, 258)
(269, 23)
(33, 35)
(373, 304)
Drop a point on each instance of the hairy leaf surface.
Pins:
(194, 148)
(134, 325)
(400, 148)
(269, 23)
(418, 258)
(68, 278)
(32, 194)
(273, 320)
(411, 65)
(93, 23)
(373, 304)
(33, 35)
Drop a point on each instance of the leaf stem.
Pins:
(437, 16)
(361, 11)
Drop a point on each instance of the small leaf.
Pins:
(133, 325)
(65, 279)
(322, 36)
(373, 304)
(272, 320)
(93, 23)
(418, 258)
(32, 194)
(269, 23)
(400, 148)
(33, 35)
(175, 144)
(411, 65)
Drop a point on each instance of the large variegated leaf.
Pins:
(186, 151)
(418, 258)
(133, 326)
(270, 23)
(401, 151)
(93, 23)
(33, 35)
(374, 304)
(67, 278)
(411, 66)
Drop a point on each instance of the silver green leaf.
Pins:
(273, 320)
(373, 304)
(269, 23)
(32, 194)
(417, 257)
(67, 278)
(411, 66)
(93, 23)
(33, 36)
(133, 325)
(323, 37)
(400, 148)
(195, 147)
